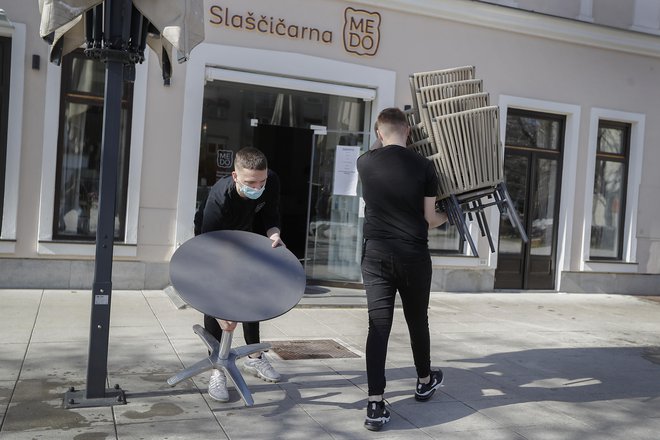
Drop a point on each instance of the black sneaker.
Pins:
(424, 391)
(377, 416)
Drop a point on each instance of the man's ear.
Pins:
(234, 175)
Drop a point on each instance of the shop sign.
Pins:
(266, 25)
(361, 30)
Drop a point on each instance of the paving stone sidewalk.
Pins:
(535, 366)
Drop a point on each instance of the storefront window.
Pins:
(5, 69)
(523, 130)
(608, 209)
(79, 150)
(321, 225)
(445, 240)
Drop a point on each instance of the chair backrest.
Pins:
(438, 92)
(417, 133)
(470, 155)
(457, 104)
(427, 149)
(423, 147)
(449, 90)
(435, 77)
(411, 116)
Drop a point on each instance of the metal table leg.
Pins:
(222, 357)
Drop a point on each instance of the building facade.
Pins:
(576, 87)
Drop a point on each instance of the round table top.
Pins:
(237, 276)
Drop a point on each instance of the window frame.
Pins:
(572, 113)
(46, 245)
(618, 158)
(628, 263)
(17, 33)
(4, 113)
(67, 96)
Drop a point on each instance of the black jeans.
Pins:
(250, 330)
(388, 267)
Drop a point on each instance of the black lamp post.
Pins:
(115, 33)
(110, 39)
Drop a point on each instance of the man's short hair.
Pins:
(249, 158)
(393, 117)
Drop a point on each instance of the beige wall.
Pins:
(32, 132)
(616, 13)
(160, 166)
(510, 61)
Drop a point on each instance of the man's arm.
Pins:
(227, 326)
(433, 217)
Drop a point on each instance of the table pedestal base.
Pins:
(222, 357)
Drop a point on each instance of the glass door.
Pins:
(320, 203)
(532, 167)
(334, 242)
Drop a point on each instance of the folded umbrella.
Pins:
(173, 24)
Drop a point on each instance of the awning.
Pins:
(180, 25)
(180, 22)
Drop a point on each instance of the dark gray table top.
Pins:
(237, 276)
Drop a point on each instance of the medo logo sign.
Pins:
(361, 31)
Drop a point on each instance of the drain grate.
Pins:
(311, 349)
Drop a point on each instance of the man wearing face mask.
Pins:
(250, 194)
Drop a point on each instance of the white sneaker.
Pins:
(218, 386)
(260, 367)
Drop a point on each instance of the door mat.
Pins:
(311, 349)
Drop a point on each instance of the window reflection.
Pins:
(609, 196)
(543, 208)
(334, 225)
(516, 179)
(79, 150)
(5, 68)
(527, 131)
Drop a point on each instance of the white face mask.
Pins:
(249, 192)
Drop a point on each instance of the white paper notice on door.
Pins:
(346, 175)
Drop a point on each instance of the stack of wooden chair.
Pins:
(453, 125)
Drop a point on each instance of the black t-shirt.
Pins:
(395, 181)
(225, 209)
